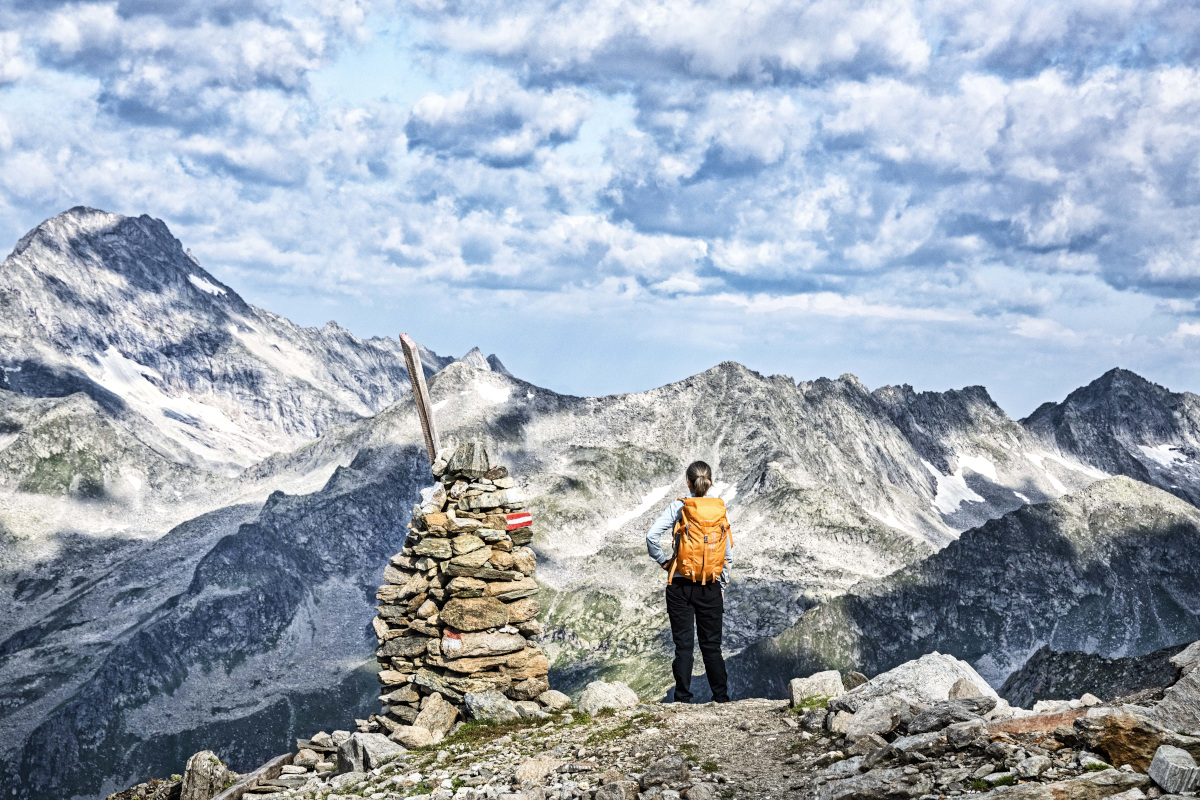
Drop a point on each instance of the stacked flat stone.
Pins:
(458, 612)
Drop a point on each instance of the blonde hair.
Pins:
(699, 477)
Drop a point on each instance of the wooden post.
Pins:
(416, 375)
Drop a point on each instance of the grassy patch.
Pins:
(1093, 767)
(710, 766)
(809, 703)
(980, 785)
(606, 712)
(1007, 780)
(475, 732)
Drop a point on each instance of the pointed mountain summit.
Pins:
(114, 307)
(1123, 424)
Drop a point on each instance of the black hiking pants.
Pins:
(690, 603)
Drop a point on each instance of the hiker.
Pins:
(697, 574)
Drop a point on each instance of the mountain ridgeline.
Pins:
(197, 498)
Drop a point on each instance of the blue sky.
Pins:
(612, 195)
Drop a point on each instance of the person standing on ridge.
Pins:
(697, 574)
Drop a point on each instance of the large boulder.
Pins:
(878, 784)
(1179, 710)
(412, 736)
(1131, 739)
(363, 752)
(205, 776)
(922, 682)
(437, 716)
(554, 700)
(489, 706)
(940, 715)
(599, 695)
(878, 716)
(1174, 770)
(821, 684)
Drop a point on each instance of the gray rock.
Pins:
(306, 758)
(923, 681)
(600, 695)
(880, 784)
(702, 791)
(411, 736)
(821, 684)
(204, 777)
(469, 460)
(853, 680)
(363, 752)
(1032, 767)
(1090, 786)
(839, 723)
(940, 715)
(961, 734)
(1179, 710)
(844, 768)
(346, 780)
(672, 769)
(1174, 770)
(554, 700)
(619, 790)
(919, 743)
(814, 720)
(867, 744)
(437, 716)
(879, 716)
(489, 706)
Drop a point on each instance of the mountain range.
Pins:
(198, 498)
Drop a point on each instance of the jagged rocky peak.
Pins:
(475, 358)
(1123, 424)
(114, 307)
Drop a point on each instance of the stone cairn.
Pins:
(457, 623)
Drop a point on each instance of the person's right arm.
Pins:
(664, 523)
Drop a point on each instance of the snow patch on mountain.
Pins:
(1039, 459)
(496, 395)
(204, 285)
(1162, 454)
(648, 502)
(201, 428)
(978, 464)
(952, 490)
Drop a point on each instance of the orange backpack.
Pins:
(700, 537)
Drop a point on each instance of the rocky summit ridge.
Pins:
(929, 729)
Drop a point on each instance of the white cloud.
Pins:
(994, 165)
(1046, 329)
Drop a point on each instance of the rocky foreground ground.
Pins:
(928, 730)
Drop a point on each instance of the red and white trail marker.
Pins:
(522, 519)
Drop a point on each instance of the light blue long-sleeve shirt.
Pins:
(666, 524)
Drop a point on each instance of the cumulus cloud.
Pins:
(1006, 169)
(496, 120)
